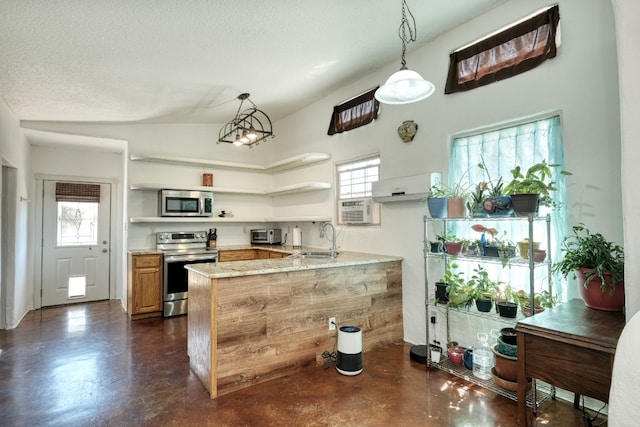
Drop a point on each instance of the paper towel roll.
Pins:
(297, 238)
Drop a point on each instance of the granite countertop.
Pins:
(275, 248)
(281, 265)
(144, 252)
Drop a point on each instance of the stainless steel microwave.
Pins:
(185, 203)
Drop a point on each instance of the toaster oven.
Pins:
(271, 236)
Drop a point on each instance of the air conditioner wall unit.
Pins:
(356, 211)
(415, 187)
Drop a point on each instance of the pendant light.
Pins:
(248, 128)
(405, 86)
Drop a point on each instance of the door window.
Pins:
(77, 224)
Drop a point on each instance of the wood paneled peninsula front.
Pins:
(253, 321)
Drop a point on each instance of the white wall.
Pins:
(14, 150)
(581, 82)
(628, 33)
(65, 162)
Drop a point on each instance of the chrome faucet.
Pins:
(334, 248)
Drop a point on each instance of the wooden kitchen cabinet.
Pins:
(236, 255)
(249, 254)
(268, 254)
(273, 254)
(262, 254)
(144, 288)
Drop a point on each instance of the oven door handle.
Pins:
(193, 257)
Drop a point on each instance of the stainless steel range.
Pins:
(179, 249)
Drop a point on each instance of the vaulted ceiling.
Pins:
(186, 61)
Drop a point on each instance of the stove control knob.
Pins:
(164, 236)
(201, 235)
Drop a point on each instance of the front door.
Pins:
(75, 242)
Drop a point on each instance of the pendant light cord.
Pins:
(406, 26)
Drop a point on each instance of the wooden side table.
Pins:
(569, 346)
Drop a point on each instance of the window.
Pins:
(77, 213)
(502, 149)
(355, 112)
(520, 47)
(355, 180)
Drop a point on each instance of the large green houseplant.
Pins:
(537, 180)
(597, 263)
(459, 292)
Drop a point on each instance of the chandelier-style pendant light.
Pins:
(405, 86)
(248, 128)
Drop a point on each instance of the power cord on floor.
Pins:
(330, 356)
(329, 359)
(589, 421)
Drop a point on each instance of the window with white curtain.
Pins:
(501, 149)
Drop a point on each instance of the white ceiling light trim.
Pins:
(405, 86)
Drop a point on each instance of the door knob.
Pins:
(104, 242)
(105, 250)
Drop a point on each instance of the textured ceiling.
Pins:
(186, 61)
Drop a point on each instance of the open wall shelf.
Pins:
(304, 159)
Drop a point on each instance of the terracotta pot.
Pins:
(506, 366)
(456, 207)
(453, 248)
(539, 255)
(594, 297)
(527, 311)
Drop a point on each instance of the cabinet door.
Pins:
(238, 255)
(273, 254)
(147, 290)
(145, 284)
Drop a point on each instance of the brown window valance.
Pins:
(357, 111)
(77, 192)
(517, 49)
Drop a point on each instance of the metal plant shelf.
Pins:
(543, 390)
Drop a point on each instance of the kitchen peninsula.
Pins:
(253, 321)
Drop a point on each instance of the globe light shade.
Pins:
(404, 87)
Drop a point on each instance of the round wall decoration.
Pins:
(407, 130)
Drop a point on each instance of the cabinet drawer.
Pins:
(144, 261)
(237, 255)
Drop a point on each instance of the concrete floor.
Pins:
(89, 365)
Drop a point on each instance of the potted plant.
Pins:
(437, 245)
(504, 302)
(542, 300)
(457, 196)
(598, 264)
(484, 289)
(476, 200)
(474, 247)
(495, 202)
(460, 294)
(437, 202)
(453, 245)
(531, 188)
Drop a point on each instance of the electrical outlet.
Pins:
(332, 323)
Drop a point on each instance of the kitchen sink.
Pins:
(313, 255)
